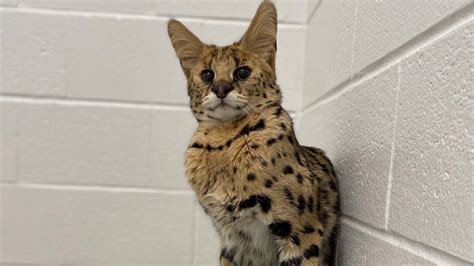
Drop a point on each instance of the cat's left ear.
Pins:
(260, 37)
(187, 46)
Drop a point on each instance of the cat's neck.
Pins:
(249, 119)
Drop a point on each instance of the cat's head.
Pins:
(226, 83)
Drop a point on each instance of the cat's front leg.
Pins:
(226, 256)
(297, 244)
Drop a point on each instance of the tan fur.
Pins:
(272, 201)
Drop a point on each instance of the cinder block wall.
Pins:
(388, 93)
(94, 124)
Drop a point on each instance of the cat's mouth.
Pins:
(224, 111)
(221, 105)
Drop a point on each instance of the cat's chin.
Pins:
(225, 113)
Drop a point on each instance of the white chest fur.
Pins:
(251, 242)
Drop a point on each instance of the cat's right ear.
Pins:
(187, 46)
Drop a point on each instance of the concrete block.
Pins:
(102, 145)
(356, 247)
(383, 26)
(288, 11)
(75, 226)
(8, 141)
(171, 133)
(328, 48)
(433, 166)
(207, 248)
(9, 2)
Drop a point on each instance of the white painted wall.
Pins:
(94, 124)
(388, 93)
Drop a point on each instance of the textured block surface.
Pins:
(8, 141)
(50, 226)
(383, 26)
(289, 11)
(433, 166)
(106, 145)
(328, 48)
(207, 251)
(356, 130)
(356, 247)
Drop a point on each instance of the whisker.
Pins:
(245, 110)
(255, 111)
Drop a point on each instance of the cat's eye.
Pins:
(207, 75)
(242, 73)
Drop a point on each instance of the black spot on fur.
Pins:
(299, 177)
(264, 201)
(248, 203)
(308, 229)
(325, 169)
(301, 204)
(278, 111)
(298, 158)
(254, 146)
(227, 254)
(268, 183)
(274, 178)
(312, 251)
(281, 136)
(320, 232)
(281, 228)
(295, 239)
(271, 141)
(247, 129)
(197, 145)
(288, 194)
(290, 139)
(288, 170)
(310, 204)
(230, 208)
(273, 161)
(251, 177)
(235, 169)
(283, 126)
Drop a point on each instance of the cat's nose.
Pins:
(221, 89)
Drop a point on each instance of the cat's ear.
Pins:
(187, 46)
(260, 37)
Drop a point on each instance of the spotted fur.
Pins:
(272, 201)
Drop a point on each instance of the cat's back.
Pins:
(328, 198)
